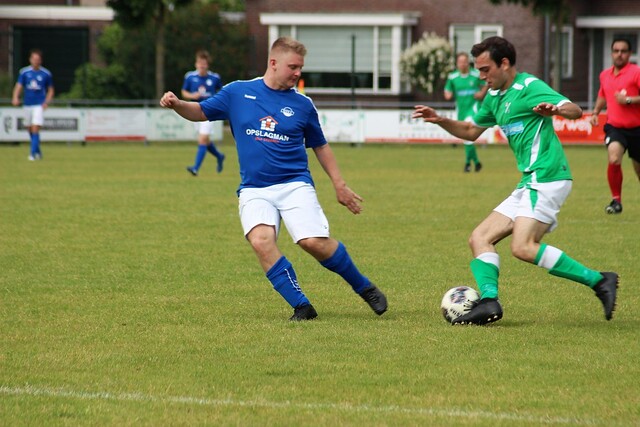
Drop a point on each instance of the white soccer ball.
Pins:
(458, 301)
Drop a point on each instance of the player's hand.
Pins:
(348, 198)
(425, 113)
(15, 102)
(593, 120)
(546, 109)
(621, 97)
(169, 100)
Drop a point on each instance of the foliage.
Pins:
(6, 85)
(427, 62)
(136, 13)
(191, 28)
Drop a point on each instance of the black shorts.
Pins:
(628, 137)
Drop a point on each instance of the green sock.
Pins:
(486, 276)
(473, 154)
(468, 153)
(568, 268)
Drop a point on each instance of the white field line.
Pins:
(30, 390)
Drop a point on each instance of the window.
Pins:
(566, 50)
(463, 36)
(347, 50)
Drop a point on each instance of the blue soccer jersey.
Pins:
(272, 129)
(36, 83)
(206, 85)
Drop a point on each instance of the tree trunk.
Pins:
(160, 50)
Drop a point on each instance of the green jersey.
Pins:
(463, 87)
(532, 139)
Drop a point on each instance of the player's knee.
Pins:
(524, 252)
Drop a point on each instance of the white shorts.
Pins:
(540, 201)
(203, 128)
(296, 203)
(33, 115)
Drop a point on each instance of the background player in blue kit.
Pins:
(37, 83)
(273, 125)
(199, 85)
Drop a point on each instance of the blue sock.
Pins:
(213, 150)
(340, 262)
(202, 151)
(284, 280)
(35, 144)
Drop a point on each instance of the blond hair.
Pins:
(288, 44)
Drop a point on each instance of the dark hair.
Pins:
(36, 51)
(621, 39)
(498, 49)
(203, 54)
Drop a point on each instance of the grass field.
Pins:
(129, 297)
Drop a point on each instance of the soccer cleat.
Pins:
(192, 171)
(467, 167)
(220, 161)
(615, 207)
(303, 312)
(375, 298)
(606, 290)
(488, 310)
(478, 167)
(32, 158)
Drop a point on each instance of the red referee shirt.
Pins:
(620, 115)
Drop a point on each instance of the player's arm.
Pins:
(568, 110)
(194, 96)
(49, 97)
(187, 109)
(463, 130)
(601, 102)
(345, 195)
(479, 95)
(448, 95)
(17, 90)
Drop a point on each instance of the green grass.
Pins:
(128, 296)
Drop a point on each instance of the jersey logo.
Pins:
(507, 105)
(287, 111)
(249, 96)
(268, 123)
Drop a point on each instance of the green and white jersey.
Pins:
(538, 150)
(463, 87)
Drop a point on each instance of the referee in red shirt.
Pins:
(620, 92)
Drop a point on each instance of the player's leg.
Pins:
(616, 147)
(309, 228)
(485, 267)
(205, 132)
(468, 148)
(36, 124)
(260, 222)
(538, 216)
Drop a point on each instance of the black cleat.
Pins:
(303, 312)
(467, 167)
(192, 171)
(478, 167)
(606, 291)
(375, 298)
(220, 162)
(615, 207)
(488, 310)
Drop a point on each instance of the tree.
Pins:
(136, 13)
(558, 12)
(427, 62)
(128, 54)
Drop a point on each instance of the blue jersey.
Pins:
(36, 83)
(206, 85)
(272, 129)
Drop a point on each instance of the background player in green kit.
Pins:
(522, 105)
(468, 89)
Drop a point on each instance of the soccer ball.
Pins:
(458, 301)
